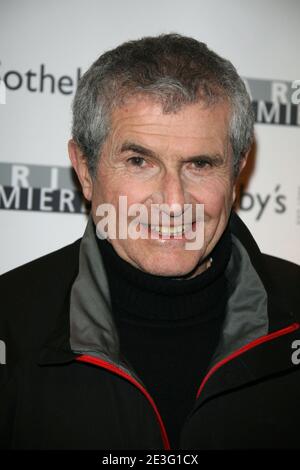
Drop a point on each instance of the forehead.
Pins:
(144, 119)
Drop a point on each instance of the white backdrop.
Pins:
(61, 38)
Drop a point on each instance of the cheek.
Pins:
(110, 191)
(216, 195)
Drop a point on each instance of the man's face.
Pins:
(175, 159)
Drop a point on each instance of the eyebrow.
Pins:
(140, 149)
(131, 146)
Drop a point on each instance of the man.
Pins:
(140, 342)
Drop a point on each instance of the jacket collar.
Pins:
(87, 325)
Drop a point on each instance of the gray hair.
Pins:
(173, 69)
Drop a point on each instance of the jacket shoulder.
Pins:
(285, 277)
(33, 296)
(66, 253)
(279, 267)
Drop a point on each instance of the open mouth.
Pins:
(173, 231)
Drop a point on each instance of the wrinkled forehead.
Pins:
(145, 121)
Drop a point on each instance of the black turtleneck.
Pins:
(169, 328)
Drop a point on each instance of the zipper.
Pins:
(106, 365)
(247, 347)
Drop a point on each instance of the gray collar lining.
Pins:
(93, 330)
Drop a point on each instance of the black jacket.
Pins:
(69, 387)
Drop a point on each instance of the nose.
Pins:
(173, 194)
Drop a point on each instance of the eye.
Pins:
(199, 164)
(136, 161)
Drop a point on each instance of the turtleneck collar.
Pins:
(140, 295)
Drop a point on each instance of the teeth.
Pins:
(169, 230)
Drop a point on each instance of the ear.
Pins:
(242, 165)
(79, 164)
